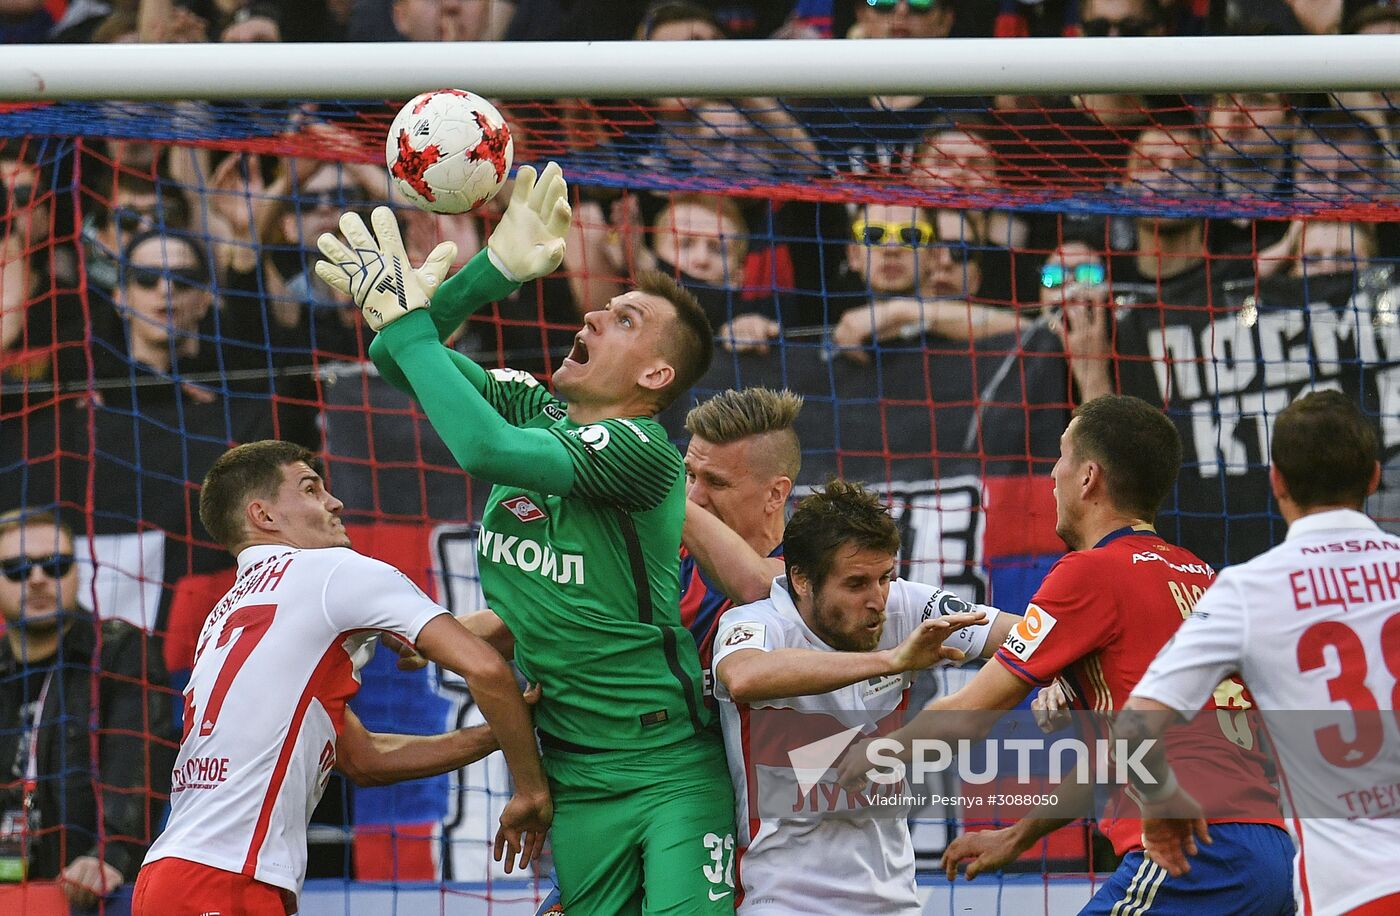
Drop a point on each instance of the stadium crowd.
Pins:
(158, 300)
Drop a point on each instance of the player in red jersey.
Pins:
(740, 465)
(1311, 624)
(1095, 623)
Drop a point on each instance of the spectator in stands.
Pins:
(241, 20)
(1173, 331)
(959, 162)
(1315, 17)
(1319, 248)
(117, 211)
(1024, 379)
(450, 20)
(1118, 18)
(170, 325)
(85, 731)
(1074, 292)
(701, 239)
(163, 294)
(1325, 248)
(24, 22)
(1061, 18)
(1170, 251)
(679, 20)
(41, 317)
(1249, 138)
(1250, 134)
(880, 134)
(748, 140)
(920, 269)
(1082, 142)
(1338, 156)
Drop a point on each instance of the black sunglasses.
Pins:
(151, 277)
(55, 565)
(1131, 27)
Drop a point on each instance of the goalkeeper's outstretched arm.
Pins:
(448, 387)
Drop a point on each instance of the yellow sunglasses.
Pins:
(908, 235)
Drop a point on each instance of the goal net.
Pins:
(940, 279)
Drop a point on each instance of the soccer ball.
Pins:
(449, 151)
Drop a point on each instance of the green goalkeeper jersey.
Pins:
(579, 539)
(589, 581)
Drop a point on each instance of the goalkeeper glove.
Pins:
(529, 242)
(375, 271)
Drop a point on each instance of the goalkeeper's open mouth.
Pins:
(579, 353)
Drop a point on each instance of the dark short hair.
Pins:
(1325, 449)
(249, 471)
(840, 514)
(691, 344)
(195, 247)
(665, 12)
(1138, 448)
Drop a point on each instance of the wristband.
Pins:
(496, 263)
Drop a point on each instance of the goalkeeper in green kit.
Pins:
(578, 544)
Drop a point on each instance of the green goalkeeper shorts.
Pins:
(644, 832)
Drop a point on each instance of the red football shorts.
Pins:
(177, 887)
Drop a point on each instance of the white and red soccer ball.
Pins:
(449, 151)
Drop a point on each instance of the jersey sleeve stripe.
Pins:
(630, 473)
(1017, 670)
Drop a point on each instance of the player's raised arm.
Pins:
(447, 385)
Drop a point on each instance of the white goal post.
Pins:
(979, 66)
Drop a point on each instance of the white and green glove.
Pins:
(529, 241)
(374, 271)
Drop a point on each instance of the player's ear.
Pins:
(1375, 479)
(258, 516)
(801, 584)
(656, 376)
(778, 492)
(1090, 475)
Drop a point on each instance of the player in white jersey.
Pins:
(1312, 624)
(276, 662)
(831, 650)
